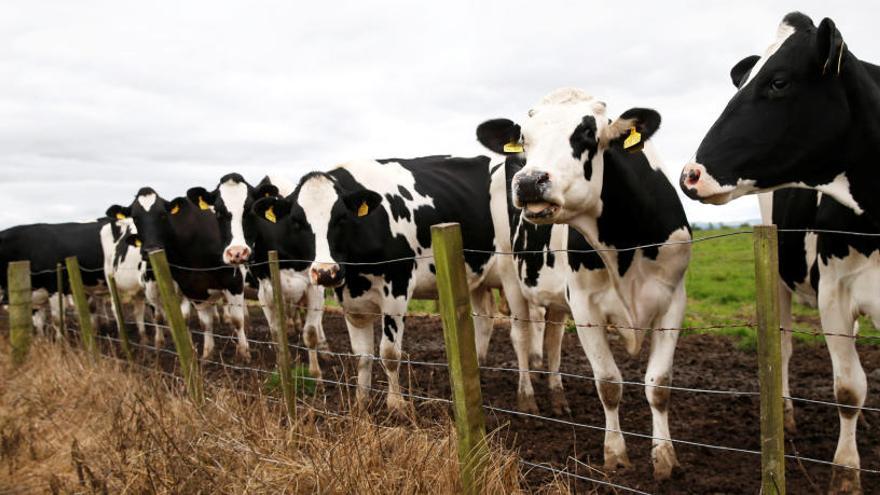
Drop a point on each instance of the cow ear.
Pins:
(742, 68)
(362, 202)
(830, 47)
(272, 208)
(632, 129)
(265, 191)
(117, 212)
(176, 205)
(201, 197)
(502, 136)
(133, 240)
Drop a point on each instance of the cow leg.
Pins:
(391, 347)
(235, 308)
(553, 330)
(658, 378)
(520, 335)
(538, 323)
(785, 323)
(313, 330)
(850, 383)
(55, 311)
(484, 322)
(360, 332)
(594, 340)
(139, 307)
(206, 313)
(39, 318)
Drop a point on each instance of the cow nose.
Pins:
(237, 254)
(690, 178)
(532, 186)
(326, 274)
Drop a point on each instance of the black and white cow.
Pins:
(363, 228)
(122, 260)
(189, 234)
(807, 115)
(45, 245)
(245, 238)
(577, 172)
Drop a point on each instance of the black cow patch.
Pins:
(389, 327)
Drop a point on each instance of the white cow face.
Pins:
(563, 141)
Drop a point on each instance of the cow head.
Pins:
(320, 221)
(231, 202)
(149, 213)
(563, 141)
(785, 124)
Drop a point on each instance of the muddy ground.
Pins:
(702, 361)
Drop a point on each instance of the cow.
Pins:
(810, 93)
(122, 260)
(363, 229)
(245, 239)
(603, 179)
(45, 245)
(189, 235)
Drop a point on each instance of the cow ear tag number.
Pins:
(513, 147)
(363, 209)
(175, 210)
(633, 140)
(202, 204)
(270, 214)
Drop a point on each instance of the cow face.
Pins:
(322, 222)
(231, 203)
(149, 212)
(784, 125)
(563, 141)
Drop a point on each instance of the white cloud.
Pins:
(100, 98)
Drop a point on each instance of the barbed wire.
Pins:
(581, 477)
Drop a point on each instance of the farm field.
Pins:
(721, 292)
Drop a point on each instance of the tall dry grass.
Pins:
(69, 425)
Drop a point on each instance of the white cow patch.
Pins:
(317, 197)
(839, 189)
(234, 195)
(782, 34)
(147, 201)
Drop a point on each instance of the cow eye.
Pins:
(778, 84)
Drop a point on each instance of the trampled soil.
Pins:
(702, 361)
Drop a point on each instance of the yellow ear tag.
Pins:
(634, 138)
(202, 204)
(270, 214)
(137, 243)
(363, 209)
(175, 210)
(513, 147)
(120, 216)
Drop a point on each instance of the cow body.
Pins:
(622, 205)
(123, 261)
(807, 115)
(46, 245)
(192, 242)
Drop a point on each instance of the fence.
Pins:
(457, 318)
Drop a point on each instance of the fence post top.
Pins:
(445, 226)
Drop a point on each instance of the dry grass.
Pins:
(67, 425)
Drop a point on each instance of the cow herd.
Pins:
(571, 216)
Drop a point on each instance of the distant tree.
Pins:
(696, 226)
(744, 225)
(711, 226)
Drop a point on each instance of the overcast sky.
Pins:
(100, 98)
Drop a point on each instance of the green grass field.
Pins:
(721, 289)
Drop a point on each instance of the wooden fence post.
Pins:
(84, 316)
(21, 319)
(59, 282)
(120, 316)
(461, 352)
(282, 352)
(769, 359)
(189, 366)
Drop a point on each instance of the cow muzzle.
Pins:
(696, 183)
(530, 191)
(235, 255)
(329, 275)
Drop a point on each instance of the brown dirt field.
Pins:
(702, 361)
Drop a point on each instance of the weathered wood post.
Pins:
(59, 282)
(461, 352)
(120, 317)
(189, 365)
(282, 351)
(84, 315)
(21, 321)
(769, 359)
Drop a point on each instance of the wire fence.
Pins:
(344, 382)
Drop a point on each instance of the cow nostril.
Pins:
(543, 178)
(693, 176)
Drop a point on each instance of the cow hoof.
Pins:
(396, 403)
(536, 361)
(845, 481)
(527, 404)
(243, 355)
(558, 402)
(665, 461)
(616, 461)
(788, 422)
